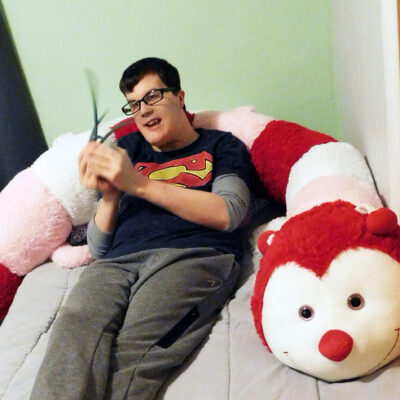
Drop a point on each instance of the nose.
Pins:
(335, 345)
(145, 109)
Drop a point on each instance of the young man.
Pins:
(166, 238)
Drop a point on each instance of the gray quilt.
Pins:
(231, 364)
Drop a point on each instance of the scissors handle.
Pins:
(116, 127)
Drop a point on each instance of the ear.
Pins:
(264, 240)
(181, 96)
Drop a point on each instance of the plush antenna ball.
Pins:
(382, 221)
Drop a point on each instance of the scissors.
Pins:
(94, 136)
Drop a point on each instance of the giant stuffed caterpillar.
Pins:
(327, 294)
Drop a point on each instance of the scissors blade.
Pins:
(93, 83)
(93, 135)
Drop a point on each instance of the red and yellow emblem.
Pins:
(195, 170)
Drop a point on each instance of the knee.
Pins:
(74, 317)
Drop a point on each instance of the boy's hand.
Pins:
(87, 171)
(108, 169)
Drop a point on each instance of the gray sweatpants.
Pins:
(131, 320)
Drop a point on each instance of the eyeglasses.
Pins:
(150, 98)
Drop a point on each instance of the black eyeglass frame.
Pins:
(126, 108)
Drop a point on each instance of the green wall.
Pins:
(274, 54)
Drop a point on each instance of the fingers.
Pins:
(105, 162)
(89, 180)
(87, 166)
(85, 155)
(100, 165)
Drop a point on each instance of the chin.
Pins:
(155, 138)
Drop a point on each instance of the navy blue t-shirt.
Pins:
(142, 225)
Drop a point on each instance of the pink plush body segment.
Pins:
(332, 188)
(243, 122)
(33, 223)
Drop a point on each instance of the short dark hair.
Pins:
(150, 65)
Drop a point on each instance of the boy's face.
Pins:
(160, 123)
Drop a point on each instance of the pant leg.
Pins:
(171, 311)
(76, 362)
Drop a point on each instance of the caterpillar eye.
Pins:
(306, 313)
(355, 301)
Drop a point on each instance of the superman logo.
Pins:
(191, 171)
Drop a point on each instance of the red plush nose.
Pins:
(335, 345)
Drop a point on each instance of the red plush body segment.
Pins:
(126, 129)
(132, 127)
(9, 284)
(277, 149)
(313, 239)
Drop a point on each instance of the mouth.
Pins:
(378, 365)
(286, 353)
(388, 354)
(153, 123)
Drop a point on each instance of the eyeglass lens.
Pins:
(150, 98)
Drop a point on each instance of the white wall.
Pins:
(368, 79)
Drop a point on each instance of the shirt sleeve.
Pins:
(236, 195)
(99, 242)
(232, 157)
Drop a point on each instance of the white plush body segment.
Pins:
(328, 160)
(58, 169)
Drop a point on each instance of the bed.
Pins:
(231, 363)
